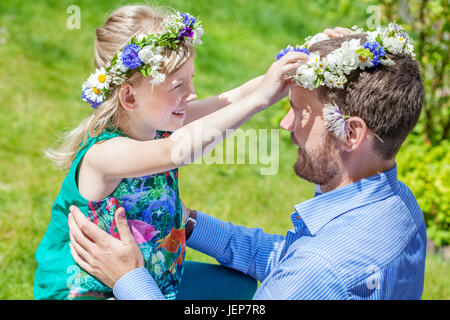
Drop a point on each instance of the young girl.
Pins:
(125, 155)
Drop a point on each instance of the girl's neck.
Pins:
(136, 131)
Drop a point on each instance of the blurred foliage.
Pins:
(426, 170)
(428, 22)
(425, 158)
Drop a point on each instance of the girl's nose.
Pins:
(287, 123)
(190, 97)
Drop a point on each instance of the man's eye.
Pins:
(300, 115)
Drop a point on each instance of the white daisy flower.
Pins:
(393, 44)
(93, 86)
(101, 79)
(93, 94)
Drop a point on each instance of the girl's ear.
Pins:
(126, 97)
(357, 130)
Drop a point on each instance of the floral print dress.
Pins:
(154, 214)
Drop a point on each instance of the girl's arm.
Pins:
(122, 157)
(201, 108)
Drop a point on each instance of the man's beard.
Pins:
(321, 165)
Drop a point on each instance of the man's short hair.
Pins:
(388, 98)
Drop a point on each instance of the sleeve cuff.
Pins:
(209, 235)
(137, 284)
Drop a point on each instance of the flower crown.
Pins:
(143, 53)
(332, 70)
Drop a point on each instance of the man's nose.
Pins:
(287, 123)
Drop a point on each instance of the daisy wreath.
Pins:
(143, 53)
(332, 70)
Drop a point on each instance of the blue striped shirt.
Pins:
(365, 240)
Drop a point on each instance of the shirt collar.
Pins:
(323, 208)
(317, 190)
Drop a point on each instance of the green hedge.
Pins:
(425, 169)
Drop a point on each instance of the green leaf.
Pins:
(366, 53)
(378, 39)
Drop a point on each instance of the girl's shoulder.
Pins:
(106, 134)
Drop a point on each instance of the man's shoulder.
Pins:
(406, 196)
(370, 235)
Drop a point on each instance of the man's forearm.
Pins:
(250, 251)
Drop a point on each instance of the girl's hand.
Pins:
(99, 253)
(337, 32)
(275, 85)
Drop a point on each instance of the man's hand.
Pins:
(99, 253)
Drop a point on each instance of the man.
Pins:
(361, 237)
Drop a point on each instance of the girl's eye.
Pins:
(178, 86)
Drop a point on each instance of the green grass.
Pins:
(42, 67)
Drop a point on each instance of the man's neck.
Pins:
(353, 172)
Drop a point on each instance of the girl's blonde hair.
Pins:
(117, 31)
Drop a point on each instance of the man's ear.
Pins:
(126, 97)
(357, 131)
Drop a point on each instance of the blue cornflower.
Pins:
(130, 56)
(377, 51)
(188, 20)
(288, 49)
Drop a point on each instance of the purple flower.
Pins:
(377, 51)
(288, 49)
(188, 20)
(186, 32)
(130, 56)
